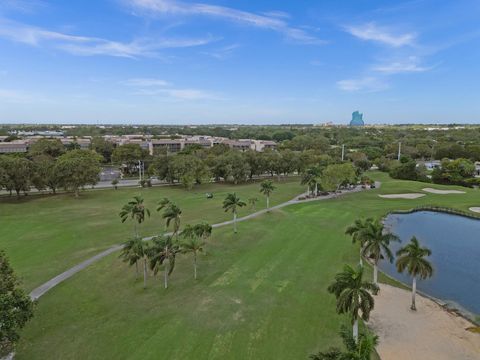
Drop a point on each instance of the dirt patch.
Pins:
(442, 192)
(402, 196)
(430, 333)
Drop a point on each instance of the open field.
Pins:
(45, 235)
(260, 294)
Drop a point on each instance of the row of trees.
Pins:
(355, 295)
(72, 171)
(161, 251)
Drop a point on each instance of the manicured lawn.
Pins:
(45, 235)
(261, 293)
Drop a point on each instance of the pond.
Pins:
(455, 244)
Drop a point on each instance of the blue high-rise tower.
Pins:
(357, 119)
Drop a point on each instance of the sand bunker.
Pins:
(475, 209)
(443, 192)
(402, 196)
(430, 333)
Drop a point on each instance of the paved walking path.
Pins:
(42, 289)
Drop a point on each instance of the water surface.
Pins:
(455, 244)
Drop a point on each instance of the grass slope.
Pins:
(261, 293)
(45, 235)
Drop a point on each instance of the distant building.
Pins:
(357, 119)
(17, 146)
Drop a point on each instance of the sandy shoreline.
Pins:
(430, 333)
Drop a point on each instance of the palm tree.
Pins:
(203, 230)
(129, 254)
(361, 350)
(252, 201)
(172, 213)
(266, 188)
(311, 178)
(192, 244)
(136, 210)
(377, 244)
(133, 250)
(162, 251)
(231, 203)
(353, 294)
(356, 231)
(412, 257)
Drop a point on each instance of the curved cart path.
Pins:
(44, 288)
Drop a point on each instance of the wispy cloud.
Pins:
(410, 65)
(273, 21)
(145, 82)
(90, 46)
(223, 52)
(372, 32)
(156, 87)
(364, 84)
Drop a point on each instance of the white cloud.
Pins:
(410, 65)
(275, 21)
(158, 87)
(372, 32)
(145, 82)
(89, 46)
(222, 53)
(365, 84)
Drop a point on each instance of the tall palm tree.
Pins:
(129, 254)
(136, 210)
(231, 203)
(377, 244)
(412, 257)
(163, 251)
(192, 244)
(353, 295)
(361, 350)
(134, 250)
(171, 213)
(266, 188)
(356, 231)
(310, 177)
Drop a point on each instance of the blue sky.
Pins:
(262, 62)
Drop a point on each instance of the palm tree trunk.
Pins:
(361, 258)
(195, 265)
(375, 273)
(414, 291)
(136, 270)
(316, 189)
(355, 330)
(235, 222)
(144, 272)
(268, 202)
(165, 278)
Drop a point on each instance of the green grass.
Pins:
(45, 235)
(261, 293)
